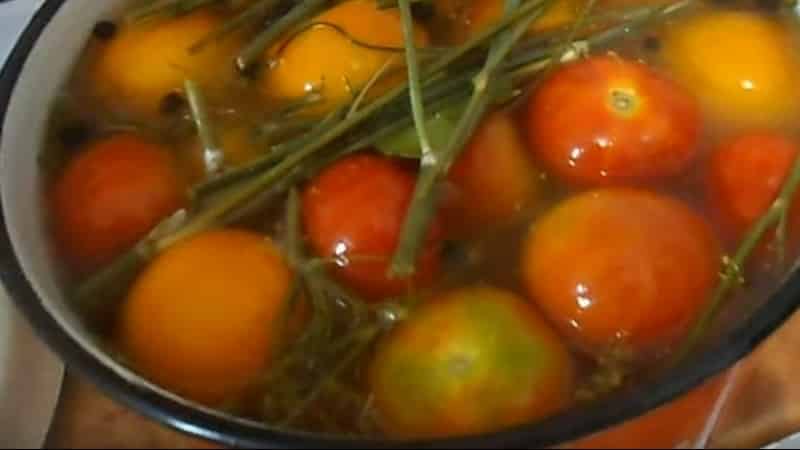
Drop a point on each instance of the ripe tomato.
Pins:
(473, 360)
(202, 319)
(493, 180)
(144, 62)
(621, 266)
(742, 65)
(745, 175)
(607, 120)
(323, 56)
(354, 210)
(110, 196)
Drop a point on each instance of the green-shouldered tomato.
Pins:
(473, 360)
(354, 210)
(110, 196)
(621, 266)
(607, 120)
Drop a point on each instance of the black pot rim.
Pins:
(560, 429)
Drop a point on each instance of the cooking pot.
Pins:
(29, 84)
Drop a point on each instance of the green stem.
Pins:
(174, 7)
(387, 4)
(362, 94)
(731, 275)
(294, 240)
(359, 344)
(424, 201)
(111, 283)
(414, 84)
(253, 51)
(256, 11)
(213, 157)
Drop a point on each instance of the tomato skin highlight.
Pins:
(472, 360)
(745, 175)
(201, 319)
(605, 120)
(110, 196)
(353, 212)
(621, 266)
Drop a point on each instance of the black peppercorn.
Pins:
(74, 134)
(104, 30)
(652, 43)
(172, 103)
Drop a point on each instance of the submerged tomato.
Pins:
(493, 179)
(328, 56)
(204, 319)
(607, 120)
(110, 196)
(353, 212)
(745, 175)
(621, 266)
(473, 360)
(742, 65)
(145, 61)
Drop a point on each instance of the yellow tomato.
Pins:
(144, 62)
(203, 320)
(323, 56)
(743, 66)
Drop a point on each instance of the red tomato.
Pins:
(606, 120)
(110, 196)
(621, 266)
(473, 360)
(745, 175)
(493, 179)
(354, 210)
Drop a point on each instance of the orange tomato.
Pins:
(144, 62)
(473, 360)
(110, 196)
(354, 210)
(621, 266)
(607, 120)
(493, 180)
(203, 319)
(323, 56)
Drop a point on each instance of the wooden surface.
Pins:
(763, 406)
